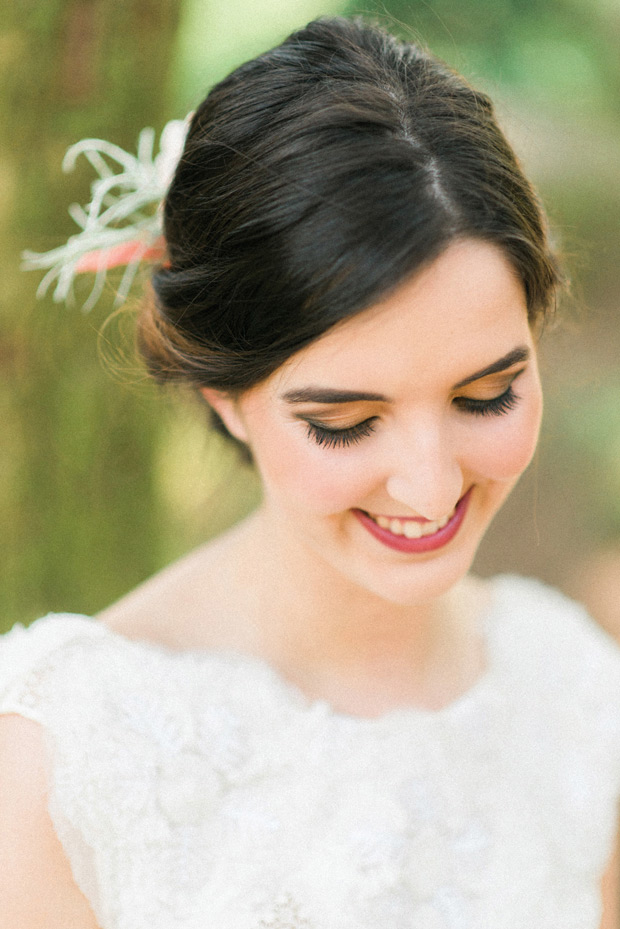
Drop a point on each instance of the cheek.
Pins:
(509, 444)
(340, 480)
(308, 477)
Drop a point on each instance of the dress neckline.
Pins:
(462, 704)
(293, 697)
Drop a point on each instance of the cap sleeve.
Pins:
(31, 673)
(65, 673)
(28, 653)
(563, 671)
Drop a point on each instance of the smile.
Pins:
(413, 535)
(411, 528)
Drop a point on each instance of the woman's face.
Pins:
(387, 446)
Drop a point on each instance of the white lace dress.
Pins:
(200, 791)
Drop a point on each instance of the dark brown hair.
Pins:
(316, 178)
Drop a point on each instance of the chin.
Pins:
(418, 584)
(406, 582)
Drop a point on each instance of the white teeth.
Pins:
(410, 528)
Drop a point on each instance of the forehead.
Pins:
(463, 311)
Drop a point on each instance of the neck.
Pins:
(340, 642)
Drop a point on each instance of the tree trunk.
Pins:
(79, 525)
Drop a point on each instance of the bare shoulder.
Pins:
(190, 603)
(37, 888)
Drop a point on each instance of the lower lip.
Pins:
(427, 543)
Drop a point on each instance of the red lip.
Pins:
(427, 543)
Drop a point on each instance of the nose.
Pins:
(426, 474)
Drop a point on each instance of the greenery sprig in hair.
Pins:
(122, 223)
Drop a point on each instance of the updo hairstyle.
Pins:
(315, 179)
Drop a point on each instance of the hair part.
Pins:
(315, 179)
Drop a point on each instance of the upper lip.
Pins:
(416, 519)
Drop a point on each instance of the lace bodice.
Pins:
(199, 790)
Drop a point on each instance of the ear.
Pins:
(227, 408)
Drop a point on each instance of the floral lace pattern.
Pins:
(285, 915)
(199, 789)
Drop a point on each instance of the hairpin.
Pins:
(122, 223)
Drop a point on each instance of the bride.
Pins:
(321, 720)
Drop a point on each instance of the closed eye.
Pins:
(494, 406)
(340, 438)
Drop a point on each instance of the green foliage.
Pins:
(562, 52)
(103, 479)
(593, 439)
(215, 37)
(79, 523)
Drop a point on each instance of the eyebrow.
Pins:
(517, 355)
(333, 395)
(329, 395)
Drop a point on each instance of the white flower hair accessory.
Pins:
(122, 224)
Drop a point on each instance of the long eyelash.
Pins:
(340, 438)
(497, 406)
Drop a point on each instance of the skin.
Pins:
(301, 583)
(346, 617)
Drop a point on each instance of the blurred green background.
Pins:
(103, 477)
